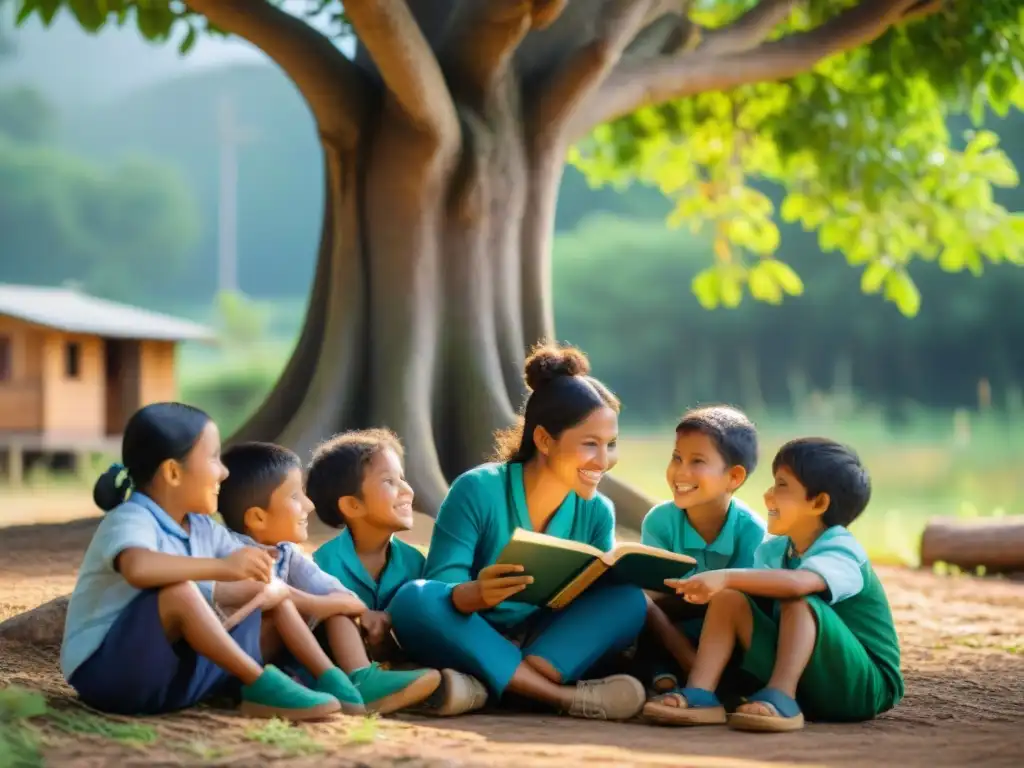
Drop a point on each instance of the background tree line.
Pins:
(80, 210)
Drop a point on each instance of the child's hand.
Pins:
(496, 586)
(376, 627)
(701, 588)
(249, 563)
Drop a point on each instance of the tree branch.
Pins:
(335, 89)
(585, 70)
(407, 64)
(639, 84)
(749, 30)
(489, 35)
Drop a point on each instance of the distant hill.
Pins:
(73, 67)
(280, 170)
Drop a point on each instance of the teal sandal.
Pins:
(696, 706)
(788, 716)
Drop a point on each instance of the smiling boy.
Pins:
(714, 452)
(264, 503)
(356, 481)
(811, 620)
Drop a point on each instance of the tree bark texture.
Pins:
(444, 142)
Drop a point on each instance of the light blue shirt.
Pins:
(666, 526)
(296, 569)
(483, 508)
(835, 555)
(101, 593)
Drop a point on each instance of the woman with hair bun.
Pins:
(545, 480)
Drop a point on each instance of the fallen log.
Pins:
(995, 544)
(40, 626)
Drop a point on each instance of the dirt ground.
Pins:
(963, 643)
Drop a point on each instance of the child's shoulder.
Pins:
(409, 551)
(771, 552)
(663, 512)
(132, 514)
(839, 540)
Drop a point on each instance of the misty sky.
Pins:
(73, 67)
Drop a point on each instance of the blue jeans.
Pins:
(600, 622)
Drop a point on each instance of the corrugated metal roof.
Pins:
(67, 309)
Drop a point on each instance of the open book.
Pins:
(562, 570)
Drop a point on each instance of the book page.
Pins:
(610, 558)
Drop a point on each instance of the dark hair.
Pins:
(825, 466)
(562, 395)
(154, 434)
(339, 465)
(731, 430)
(255, 470)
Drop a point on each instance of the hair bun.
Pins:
(548, 362)
(112, 488)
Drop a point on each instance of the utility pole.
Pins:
(231, 137)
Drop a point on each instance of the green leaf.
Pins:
(901, 290)
(953, 258)
(91, 14)
(189, 41)
(785, 276)
(706, 287)
(730, 290)
(763, 285)
(873, 276)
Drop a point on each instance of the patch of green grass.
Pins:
(284, 736)
(19, 740)
(19, 746)
(83, 723)
(205, 752)
(364, 733)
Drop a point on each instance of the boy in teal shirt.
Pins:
(811, 620)
(715, 451)
(356, 482)
(262, 501)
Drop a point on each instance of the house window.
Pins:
(6, 362)
(72, 359)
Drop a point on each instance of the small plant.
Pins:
(206, 752)
(88, 724)
(364, 733)
(19, 741)
(286, 737)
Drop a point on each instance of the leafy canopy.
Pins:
(861, 145)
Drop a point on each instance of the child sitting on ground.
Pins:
(141, 636)
(812, 621)
(356, 481)
(715, 451)
(263, 502)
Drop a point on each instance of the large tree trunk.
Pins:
(434, 274)
(418, 313)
